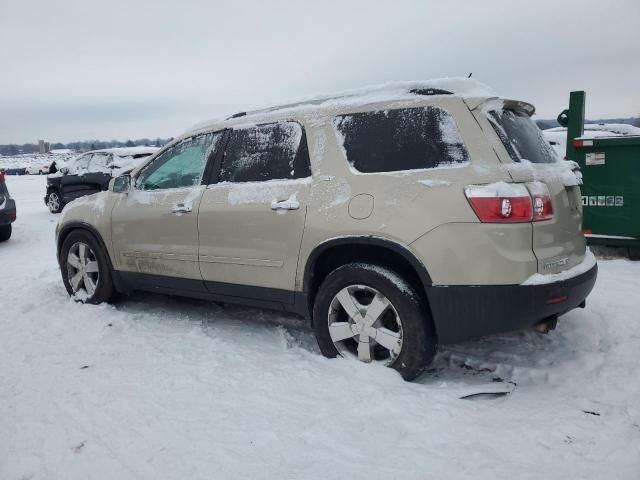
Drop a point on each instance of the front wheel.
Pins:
(372, 314)
(54, 201)
(85, 269)
(5, 233)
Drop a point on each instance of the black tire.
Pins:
(5, 233)
(419, 342)
(51, 204)
(104, 290)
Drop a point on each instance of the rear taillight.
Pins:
(541, 200)
(510, 202)
(500, 202)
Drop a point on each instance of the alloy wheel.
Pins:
(364, 323)
(83, 271)
(53, 202)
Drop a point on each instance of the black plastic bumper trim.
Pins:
(464, 312)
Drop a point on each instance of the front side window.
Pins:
(402, 139)
(521, 136)
(180, 166)
(81, 164)
(266, 152)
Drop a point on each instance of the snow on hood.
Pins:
(458, 86)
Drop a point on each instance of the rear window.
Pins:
(521, 136)
(276, 151)
(403, 139)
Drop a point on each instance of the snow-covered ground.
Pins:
(33, 159)
(166, 388)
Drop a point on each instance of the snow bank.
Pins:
(154, 387)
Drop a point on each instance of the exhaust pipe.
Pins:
(546, 325)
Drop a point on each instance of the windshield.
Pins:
(521, 136)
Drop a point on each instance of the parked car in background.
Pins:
(38, 169)
(90, 173)
(7, 210)
(15, 171)
(396, 218)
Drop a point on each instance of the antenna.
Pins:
(470, 73)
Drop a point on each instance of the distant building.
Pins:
(43, 147)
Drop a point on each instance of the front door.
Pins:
(154, 226)
(252, 217)
(98, 175)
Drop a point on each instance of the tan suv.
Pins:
(396, 219)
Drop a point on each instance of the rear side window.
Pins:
(276, 151)
(521, 136)
(403, 139)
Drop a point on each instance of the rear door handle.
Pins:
(181, 209)
(290, 203)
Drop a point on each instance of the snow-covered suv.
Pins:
(395, 217)
(90, 173)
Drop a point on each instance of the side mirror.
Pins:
(121, 184)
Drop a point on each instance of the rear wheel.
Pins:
(372, 314)
(5, 233)
(54, 201)
(85, 269)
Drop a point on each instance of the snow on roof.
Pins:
(128, 151)
(392, 91)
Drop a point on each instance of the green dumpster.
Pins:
(611, 180)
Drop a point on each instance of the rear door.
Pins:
(155, 225)
(252, 215)
(558, 242)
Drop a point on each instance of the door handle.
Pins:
(290, 203)
(181, 208)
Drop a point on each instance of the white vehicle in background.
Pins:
(38, 169)
(557, 137)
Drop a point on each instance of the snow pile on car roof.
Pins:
(391, 91)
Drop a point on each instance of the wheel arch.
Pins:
(71, 227)
(338, 251)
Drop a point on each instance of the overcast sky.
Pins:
(120, 69)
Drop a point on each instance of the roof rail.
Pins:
(237, 115)
(430, 91)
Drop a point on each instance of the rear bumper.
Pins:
(463, 312)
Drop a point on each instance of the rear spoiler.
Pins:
(475, 102)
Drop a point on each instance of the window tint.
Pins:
(521, 136)
(181, 165)
(404, 139)
(266, 152)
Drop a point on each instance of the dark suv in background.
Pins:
(7, 210)
(90, 173)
